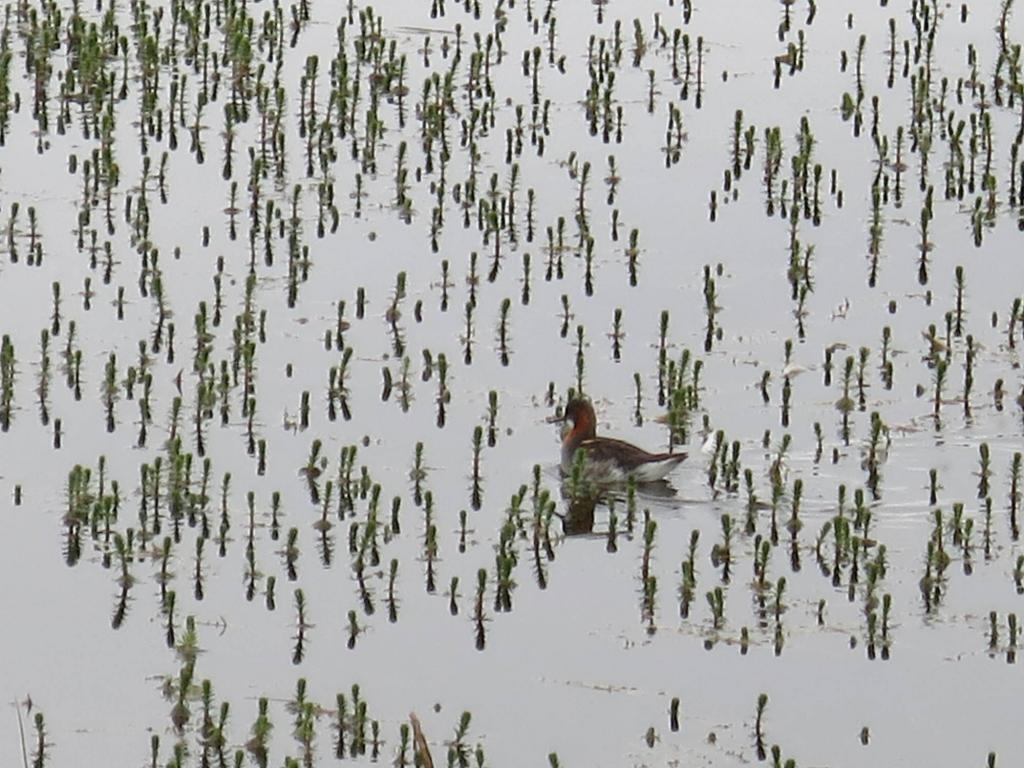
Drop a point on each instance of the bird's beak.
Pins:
(555, 419)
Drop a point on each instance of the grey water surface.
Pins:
(580, 666)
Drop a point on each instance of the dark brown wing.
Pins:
(608, 449)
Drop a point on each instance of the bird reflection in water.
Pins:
(580, 503)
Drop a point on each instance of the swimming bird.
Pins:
(608, 459)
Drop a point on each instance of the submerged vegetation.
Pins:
(290, 287)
